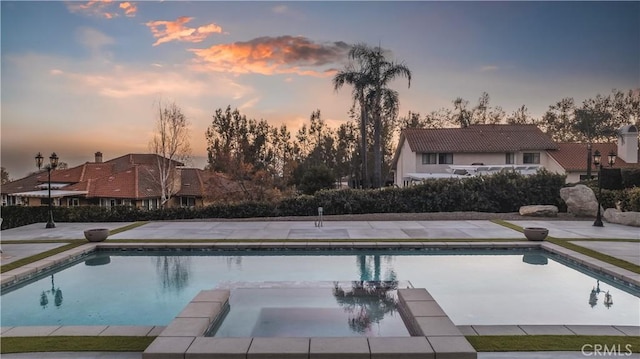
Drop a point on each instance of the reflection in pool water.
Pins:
(473, 288)
(593, 297)
(344, 309)
(366, 302)
(56, 293)
(535, 259)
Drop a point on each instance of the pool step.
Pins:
(433, 335)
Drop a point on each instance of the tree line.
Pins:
(262, 157)
(594, 120)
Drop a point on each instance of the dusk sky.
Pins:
(81, 77)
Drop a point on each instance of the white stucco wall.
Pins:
(411, 162)
(406, 164)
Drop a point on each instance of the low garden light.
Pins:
(597, 160)
(53, 163)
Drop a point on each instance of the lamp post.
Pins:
(597, 160)
(589, 157)
(53, 163)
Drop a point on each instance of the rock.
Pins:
(580, 200)
(613, 215)
(539, 211)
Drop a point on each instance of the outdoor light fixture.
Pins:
(612, 158)
(589, 158)
(53, 163)
(597, 160)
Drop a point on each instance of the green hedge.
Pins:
(502, 192)
(628, 199)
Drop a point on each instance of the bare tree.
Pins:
(171, 145)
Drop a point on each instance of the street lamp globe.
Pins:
(612, 158)
(596, 158)
(53, 161)
(39, 159)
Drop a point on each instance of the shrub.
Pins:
(630, 177)
(502, 192)
(316, 178)
(632, 202)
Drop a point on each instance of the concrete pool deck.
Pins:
(578, 232)
(273, 233)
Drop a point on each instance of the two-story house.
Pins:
(444, 152)
(424, 153)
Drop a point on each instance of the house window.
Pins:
(110, 202)
(445, 158)
(531, 158)
(150, 203)
(15, 201)
(429, 158)
(10, 200)
(510, 158)
(73, 202)
(437, 158)
(187, 201)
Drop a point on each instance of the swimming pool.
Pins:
(473, 287)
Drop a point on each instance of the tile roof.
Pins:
(130, 176)
(216, 183)
(81, 173)
(25, 184)
(191, 183)
(134, 182)
(478, 139)
(573, 156)
(123, 162)
(117, 185)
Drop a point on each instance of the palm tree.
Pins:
(357, 77)
(370, 80)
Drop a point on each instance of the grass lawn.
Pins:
(480, 343)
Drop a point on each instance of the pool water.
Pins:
(344, 309)
(474, 288)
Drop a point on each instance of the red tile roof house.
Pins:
(433, 153)
(126, 180)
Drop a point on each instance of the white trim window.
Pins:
(510, 158)
(151, 203)
(187, 201)
(437, 158)
(73, 202)
(429, 158)
(445, 158)
(531, 158)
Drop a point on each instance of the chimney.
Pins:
(628, 144)
(98, 157)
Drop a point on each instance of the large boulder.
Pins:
(539, 211)
(613, 215)
(580, 200)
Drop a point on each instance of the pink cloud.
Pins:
(166, 31)
(271, 55)
(107, 9)
(129, 8)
